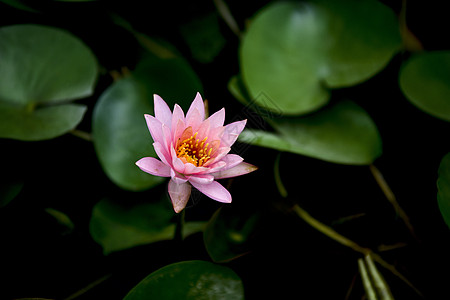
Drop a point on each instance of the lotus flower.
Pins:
(193, 151)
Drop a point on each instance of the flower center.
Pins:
(194, 151)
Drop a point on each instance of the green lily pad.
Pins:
(203, 36)
(117, 226)
(425, 81)
(42, 68)
(343, 133)
(40, 124)
(294, 52)
(443, 184)
(120, 133)
(226, 235)
(199, 280)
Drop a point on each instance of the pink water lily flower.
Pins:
(193, 151)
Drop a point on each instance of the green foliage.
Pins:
(343, 133)
(424, 79)
(199, 280)
(203, 37)
(118, 226)
(42, 68)
(227, 233)
(295, 52)
(297, 62)
(120, 135)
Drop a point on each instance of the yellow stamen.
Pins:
(192, 150)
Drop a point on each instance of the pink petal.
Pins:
(177, 164)
(191, 169)
(216, 167)
(178, 130)
(203, 130)
(177, 177)
(231, 161)
(162, 111)
(240, 169)
(179, 194)
(155, 128)
(217, 119)
(177, 119)
(201, 179)
(216, 133)
(217, 156)
(167, 136)
(153, 166)
(197, 104)
(194, 120)
(214, 190)
(162, 153)
(232, 131)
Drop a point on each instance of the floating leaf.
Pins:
(199, 280)
(117, 227)
(203, 37)
(293, 52)
(40, 124)
(226, 235)
(119, 130)
(343, 133)
(42, 68)
(443, 185)
(425, 81)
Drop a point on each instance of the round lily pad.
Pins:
(425, 81)
(294, 52)
(190, 280)
(342, 133)
(42, 68)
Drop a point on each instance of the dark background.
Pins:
(289, 259)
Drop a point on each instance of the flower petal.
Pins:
(177, 122)
(179, 194)
(232, 131)
(194, 120)
(201, 179)
(217, 119)
(177, 164)
(203, 130)
(240, 169)
(231, 161)
(217, 156)
(153, 166)
(162, 153)
(177, 177)
(197, 104)
(216, 167)
(191, 169)
(178, 130)
(214, 190)
(162, 111)
(155, 128)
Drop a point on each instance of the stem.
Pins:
(331, 233)
(82, 134)
(88, 287)
(180, 224)
(225, 13)
(392, 199)
(278, 181)
(410, 41)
